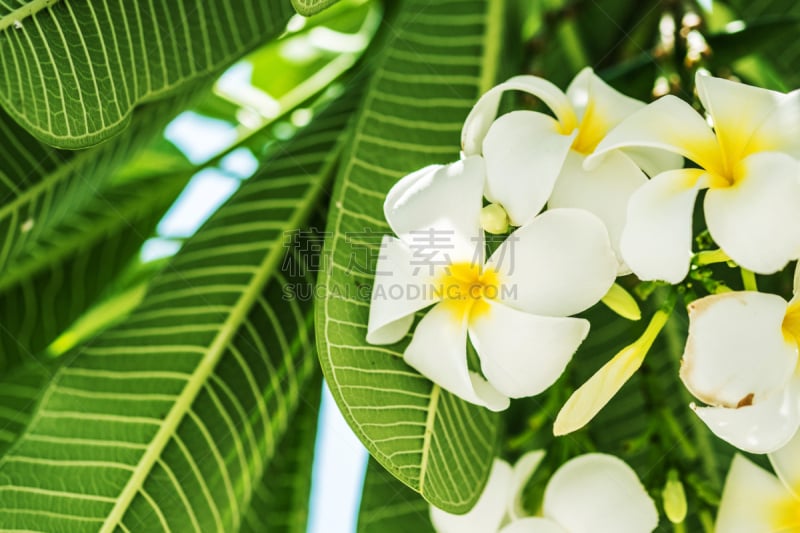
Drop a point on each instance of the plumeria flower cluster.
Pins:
(595, 493)
(605, 186)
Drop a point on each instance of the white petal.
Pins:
(397, 293)
(734, 122)
(656, 242)
(523, 354)
(667, 124)
(786, 462)
(604, 191)
(598, 493)
(781, 131)
(759, 428)
(438, 351)
(599, 107)
(736, 352)
(487, 514)
(749, 500)
(523, 470)
(757, 221)
(533, 525)
(588, 90)
(482, 115)
(559, 264)
(436, 210)
(524, 153)
(796, 283)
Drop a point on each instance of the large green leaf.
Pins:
(281, 501)
(388, 506)
(441, 57)
(165, 422)
(42, 188)
(72, 269)
(73, 70)
(65, 229)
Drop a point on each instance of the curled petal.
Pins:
(656, 242)
(438, 351)
(523, 470)
(598, 493)
(752, 500)
(523, 354)
(524, 153)
(786, 462)
(763, 427)
(487, 514)
(604, 191)
(735, 123)
(736, 353)
(559, 264)
(439, 207)
(666, 124)
(533, 525)
(599, 107)
(484, 112)
(593, 99)
(391, 314)
(756, 221)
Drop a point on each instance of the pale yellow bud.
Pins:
(621, 302)
(675, 506)
(494, 219)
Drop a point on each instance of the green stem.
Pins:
(749, 280)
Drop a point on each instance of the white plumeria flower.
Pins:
(514, 308)
(748, 163)
(533, 159)
(756, 501)
(592, 493)
(741, 359)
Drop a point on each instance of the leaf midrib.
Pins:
(489, 72)
(25, 11)
(213, 355)
(132, 210)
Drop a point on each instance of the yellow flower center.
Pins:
(591, 130)
(786, 515)
(464, 288)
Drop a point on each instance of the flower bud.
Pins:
(674, 499)
(494, 219)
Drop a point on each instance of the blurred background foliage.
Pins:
(142, 194)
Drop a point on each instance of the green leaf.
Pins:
(165, 422)
(388, 506)
(73, 70)
(281, 501)
(42, 187)
(441, 57)
(311, 7)
(66, 230)
(71, 269)
(20, 392)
